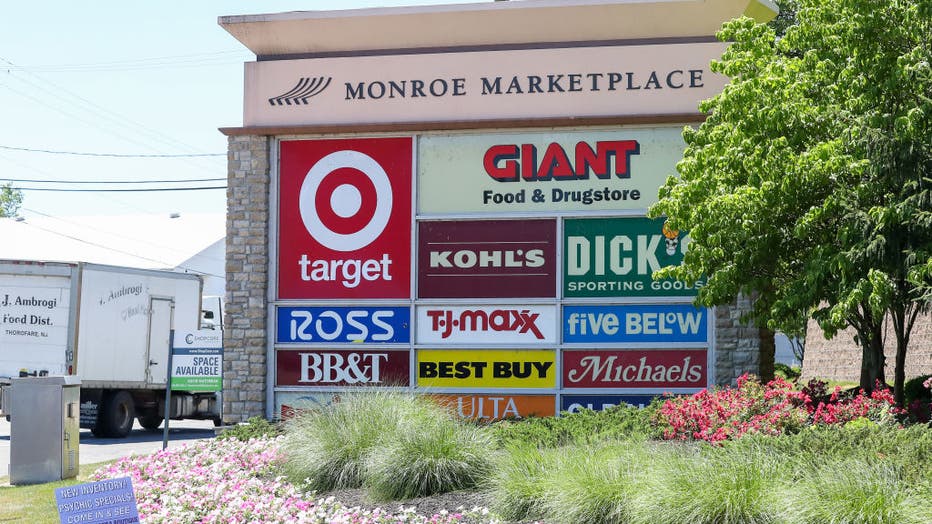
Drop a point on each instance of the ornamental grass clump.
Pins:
(709, 486)
(517, 486)
(428, 454)
(328, 448)
(595, 485)
(856, 491)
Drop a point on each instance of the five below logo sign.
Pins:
(464, 323)
(345, 218)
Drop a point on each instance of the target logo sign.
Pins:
(345, 218)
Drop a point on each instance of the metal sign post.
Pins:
(168, 387)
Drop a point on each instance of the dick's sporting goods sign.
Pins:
(503, 274)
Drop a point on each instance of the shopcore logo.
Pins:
(345, 203)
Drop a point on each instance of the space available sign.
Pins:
(635, 323)
(615, 257)
(342, 367)
(577, 171)
(499, 324)
(668, 79)
(343, 324)
(648, 368)
(490, 407)
(486, 368)
(487, 259)
(197, 360)
(344, 218)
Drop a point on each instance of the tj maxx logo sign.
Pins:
(491, 325)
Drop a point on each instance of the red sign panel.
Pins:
(343, 368)
(344, 222)
(648, 368)
(487, 259)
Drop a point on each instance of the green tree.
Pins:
(10, 200)
(808, 186)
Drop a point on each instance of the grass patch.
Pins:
(432, 455)
(328, 448)
(856, 491)
(583, 427)
(710, 485)
(517, 486)
(597, 485)
(35, 503)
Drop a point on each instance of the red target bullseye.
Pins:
(338, 184)
(345, 200)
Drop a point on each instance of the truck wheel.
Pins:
(150, 419)
(118, 412)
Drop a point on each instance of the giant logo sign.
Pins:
(546, 172)
(651, 368)
(342, 368)
(616, 257)
(345, 325)
(635, 323)
(501, 324)
(487, 259)
(344, 225)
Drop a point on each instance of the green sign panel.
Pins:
(197, 361)
(615, 257)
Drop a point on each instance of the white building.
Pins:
(188, 243)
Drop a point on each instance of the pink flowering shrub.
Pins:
(774, 408)
(231, 481)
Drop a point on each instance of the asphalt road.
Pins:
(138, 442)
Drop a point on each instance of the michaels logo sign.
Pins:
(487, 325)
(343, 325)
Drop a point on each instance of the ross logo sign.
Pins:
(497, 407)
(635, 323)
(667, 79)
(197, 360)
(503, 324)
(342, 368)
(576, 403)
(333, 325)
(105, 502)
(486, 368)
(487, 258)
(552, 172)
(651, 368)
(344, 218)
(616, 257)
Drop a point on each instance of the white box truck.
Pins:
(108, 325)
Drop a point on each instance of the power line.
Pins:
(109, 155)
(46, 181)
(144, 190)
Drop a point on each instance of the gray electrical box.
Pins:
(44, 429)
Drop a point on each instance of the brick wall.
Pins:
(840, 358)
(247, 264)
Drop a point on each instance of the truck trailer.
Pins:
(111, 327)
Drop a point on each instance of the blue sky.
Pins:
(124, 78)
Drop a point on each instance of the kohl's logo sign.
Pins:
(343, 325)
